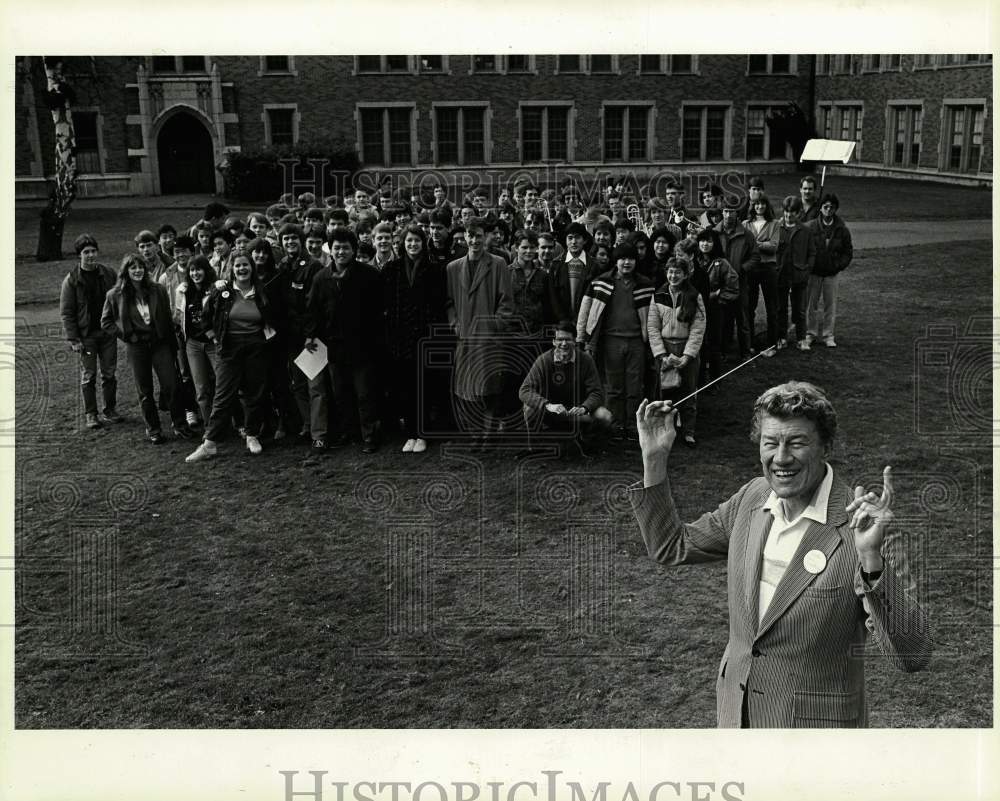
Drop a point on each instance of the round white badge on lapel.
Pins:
(814, 561)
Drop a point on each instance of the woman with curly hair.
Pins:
(241, 323)
(137, 311)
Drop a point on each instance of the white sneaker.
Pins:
(253, 444)
(419, 445)
(206, 450)
(408, 447)
(810, 338)
(829, 341)
(192, 419)
(804, 344)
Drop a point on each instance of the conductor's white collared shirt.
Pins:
(785, 536)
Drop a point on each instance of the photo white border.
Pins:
(175, 765)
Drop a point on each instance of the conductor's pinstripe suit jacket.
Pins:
(803, 665)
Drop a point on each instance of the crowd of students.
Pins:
(533, 313)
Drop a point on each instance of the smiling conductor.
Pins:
(812, 567)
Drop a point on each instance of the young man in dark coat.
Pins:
(346, 311)
(81, 301)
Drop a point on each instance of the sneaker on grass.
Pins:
(206, 450)
(253, 445)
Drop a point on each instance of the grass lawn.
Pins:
(462, 590)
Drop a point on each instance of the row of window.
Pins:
(586, 64)
(589, 64)
(849, 64)
(461, 132)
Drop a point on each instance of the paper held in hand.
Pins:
(312, 363)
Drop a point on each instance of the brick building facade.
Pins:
(150, 125)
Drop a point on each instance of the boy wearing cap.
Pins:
(81, 302)
(612, 326)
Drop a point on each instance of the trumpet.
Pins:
(634, 214)
(693, 225)
(548, 215)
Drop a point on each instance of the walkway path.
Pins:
(888, 234)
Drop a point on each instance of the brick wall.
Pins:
(931, 86)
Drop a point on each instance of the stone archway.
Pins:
(185, 156)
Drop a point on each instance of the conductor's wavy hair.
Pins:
(796, 399)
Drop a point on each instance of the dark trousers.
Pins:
(240, 368)
(279, 402)
(719, 316)
(742, 318)
(687, 415)
(201, 361)
(145, 359)
(355, 393)
(764, 279)
(406, 402)
(797, 294)
(623, 360)
(99, 348)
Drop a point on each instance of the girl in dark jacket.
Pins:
(414, 301)
(241, 322)
(189, 316)
(137, 311)
(282, 414)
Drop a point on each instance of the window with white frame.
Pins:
(88, 147)
(280, 125)
(460, 134)
(905, 123)
(762, 143)
(923, 61)
(963, 140)
(372, 65)
(704, 132)
(627, 131)
(431, 63)
(281, 65)
(680, 64)
(770, 64)
(519, 63)
(843, 64)
(601, 63)
(842, 121)
(569, 63)
(650, 63)
(824, 64)
(545, 132)
(387, 135)
(485, 63)
(179, 64)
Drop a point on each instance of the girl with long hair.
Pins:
(762, 273)
(415, 292)
(189, 316)
(137, 311)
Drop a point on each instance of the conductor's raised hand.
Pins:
(655, 423)
(871, 516)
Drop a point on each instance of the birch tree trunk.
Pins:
(59, 98)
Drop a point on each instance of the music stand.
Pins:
(827, 151)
